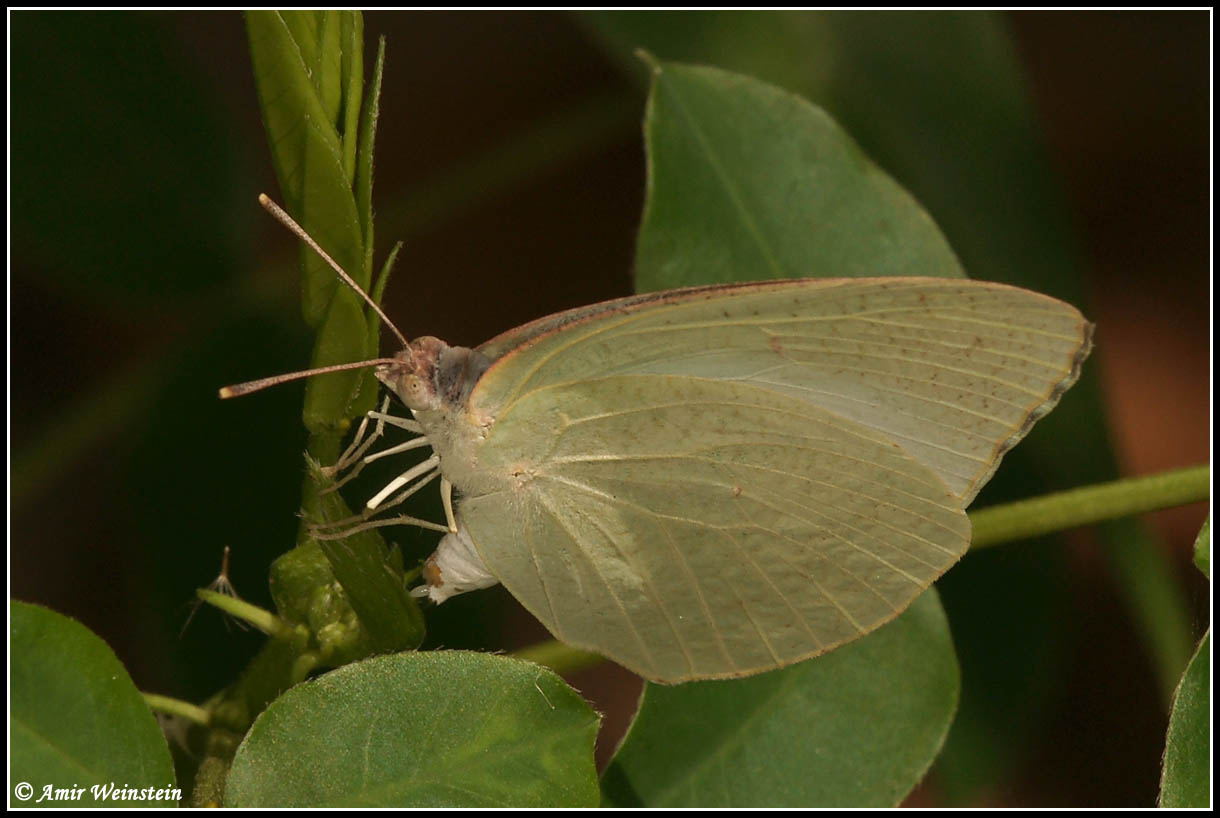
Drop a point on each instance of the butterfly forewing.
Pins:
(954, 372)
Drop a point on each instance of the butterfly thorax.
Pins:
(434, 380)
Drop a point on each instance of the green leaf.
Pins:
(75, 718)
(364, 155)
(441, 729)
(748, 182)
(858, 726)
(1203, 549)
(940, 101)
(306, 146)
(363, 187)
(317, 38)
(308, 68)
(342, 337)
(351, 74)
(1186, 773)
(371, 581)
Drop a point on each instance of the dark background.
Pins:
(143, 276)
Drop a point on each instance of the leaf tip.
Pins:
(646, 57)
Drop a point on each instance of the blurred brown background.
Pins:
(143, 275)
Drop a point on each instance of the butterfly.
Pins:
(718, 481)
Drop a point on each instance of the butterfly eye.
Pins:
(415, 392)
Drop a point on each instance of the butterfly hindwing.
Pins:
(698, 528)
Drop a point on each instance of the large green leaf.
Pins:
(856, 727)
(310, 91)
(1186, 771)
(442, 729)
(749, 182)
(939, 100)
(1203, 549)
(1186, 775)
(76, 720)
(297, 58)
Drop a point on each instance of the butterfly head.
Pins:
(428, 374)
(412, 376)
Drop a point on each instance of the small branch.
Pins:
(264, 620)
(1091, 504)
(558, 656)
(177, 707)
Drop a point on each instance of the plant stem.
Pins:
(1091, 504)
(558, 656)
(264, 620)
(177, 707)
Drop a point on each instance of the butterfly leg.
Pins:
(336, 533)
(401, 480)
(414, 443)
(365, 520)
(447, 502)
(359, 444)
(355, 453)
(394, 420)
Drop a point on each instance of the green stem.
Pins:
(264, 620)
(558, 656)
(177, 707)
(1091, 504)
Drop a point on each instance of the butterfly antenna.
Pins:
(239, 389)
(283, 218)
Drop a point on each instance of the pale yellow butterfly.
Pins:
(718, 481)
